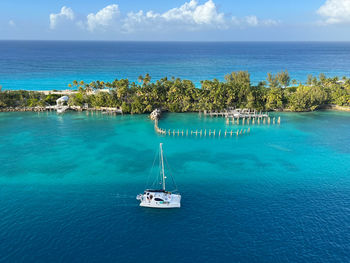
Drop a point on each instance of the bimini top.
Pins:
(156, 191)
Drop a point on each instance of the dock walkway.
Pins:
(237, 113)
(213, 133)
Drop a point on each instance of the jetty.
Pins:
(244, 117)
(237, 113)
(253, 121)
(211, 133)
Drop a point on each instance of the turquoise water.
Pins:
(47, 65)
(68, 186)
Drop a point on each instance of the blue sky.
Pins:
(202, 20)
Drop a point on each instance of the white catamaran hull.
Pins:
(160, 200)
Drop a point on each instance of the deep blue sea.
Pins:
(68, 185)
(45, 65)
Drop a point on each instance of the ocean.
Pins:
(47, 65)
(68, 185)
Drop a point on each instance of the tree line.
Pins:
(277, 92)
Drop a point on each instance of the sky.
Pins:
(176, 20)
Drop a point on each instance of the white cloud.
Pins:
(194, 13)
(335, 11)
(253, 21)
(65, 14)
(189, 16)
(12, 23)
(104, 18)
(270, 22)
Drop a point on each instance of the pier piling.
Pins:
(211, 133)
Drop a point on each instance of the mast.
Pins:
(161, 156)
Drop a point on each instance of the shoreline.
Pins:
(335, 108)
(109, 110)
(117, 110)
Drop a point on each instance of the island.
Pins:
(277, 93)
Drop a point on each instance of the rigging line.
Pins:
(158, 178)
(150, 172)
(170, 172)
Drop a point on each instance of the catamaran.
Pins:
(160, 198)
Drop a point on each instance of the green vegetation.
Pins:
(279, 92)
(22, 98)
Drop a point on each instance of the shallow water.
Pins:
(68, 186)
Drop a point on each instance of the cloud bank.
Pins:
(335, 11)
(191, 16)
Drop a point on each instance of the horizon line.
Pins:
(182, 41)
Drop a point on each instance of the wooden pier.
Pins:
(103, 110)
(200, 133)
(254, 118)
(253, 121)
(237, 113)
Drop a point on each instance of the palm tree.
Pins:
(146, 79)
(272, 80)
(283, 78)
